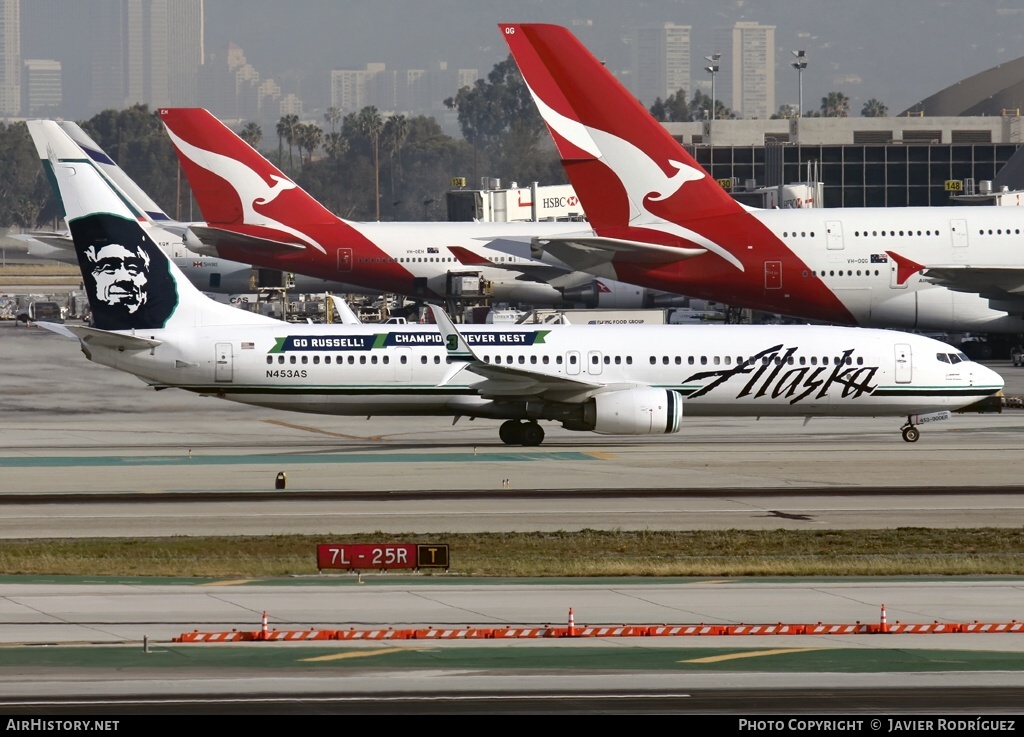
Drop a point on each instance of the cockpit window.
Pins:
(942, 357)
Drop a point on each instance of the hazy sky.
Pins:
(898, 51)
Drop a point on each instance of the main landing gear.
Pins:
(513, 432)
(910, 433)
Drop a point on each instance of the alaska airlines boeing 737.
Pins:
(254, 213)
(660, 221)
(638, 380)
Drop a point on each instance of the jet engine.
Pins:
(631, 412)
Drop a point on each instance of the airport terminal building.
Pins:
(862, 162)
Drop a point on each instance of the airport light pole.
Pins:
(712, 69)
(800, 64)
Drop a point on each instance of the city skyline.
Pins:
(147, 50)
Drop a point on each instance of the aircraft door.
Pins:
(773, 275)
(223, 367)
(904, 370)
(958, 233)
(572, 362)
(345, 260)
(594, 365)
(834, 235)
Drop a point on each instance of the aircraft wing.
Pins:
(505, 381)
(998, 283)
(587, 251)
(213, 237)
(535, 271)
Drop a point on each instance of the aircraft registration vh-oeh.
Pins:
(148, 320)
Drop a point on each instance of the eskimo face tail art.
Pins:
(130, 283)
(125, 275)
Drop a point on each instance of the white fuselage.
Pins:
(718, 370)
(838, 246)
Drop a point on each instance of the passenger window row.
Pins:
(765, 360)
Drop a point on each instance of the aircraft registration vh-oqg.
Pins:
(148, 320)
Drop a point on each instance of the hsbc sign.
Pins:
(553, 203)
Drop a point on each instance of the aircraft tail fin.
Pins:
(624, 165)
(115, 173)
(130, 283)
(232, 182)
(54, 143)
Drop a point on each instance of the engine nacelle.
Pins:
(637, 412)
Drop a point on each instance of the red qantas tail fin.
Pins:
(625, 167)
(232, 182)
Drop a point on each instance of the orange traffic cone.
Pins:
(885, 626)
(263, 631)
(572, 624)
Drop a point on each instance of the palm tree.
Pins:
(874, 109)
(309, 138)
(396, 130)
(370, 123)
(335, 145)
(287, 128)
(282, 133)
(252, 134)
(333, 116)
(835, 105)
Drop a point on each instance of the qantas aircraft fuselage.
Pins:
(853, 266)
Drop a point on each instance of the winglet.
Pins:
(345, 313)
(469, 258)
(456, 345)
(905, 268)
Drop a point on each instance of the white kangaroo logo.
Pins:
(250, 186)
(640, 176)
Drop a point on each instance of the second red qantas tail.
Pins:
(623, 164)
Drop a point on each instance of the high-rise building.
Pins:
(10, 57)
(352, 89)
(661, 62)
(752, 55)
(42, 82)
(164, 50)
(185, 50)
(115, 53)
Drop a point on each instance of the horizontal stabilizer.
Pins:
(221, 238)
(104, 338)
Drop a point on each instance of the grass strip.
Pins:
(585, 553)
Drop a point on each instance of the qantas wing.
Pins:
(534, 271)
(586, 251)
(998, 283)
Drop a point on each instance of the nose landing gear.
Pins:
(910, 433)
